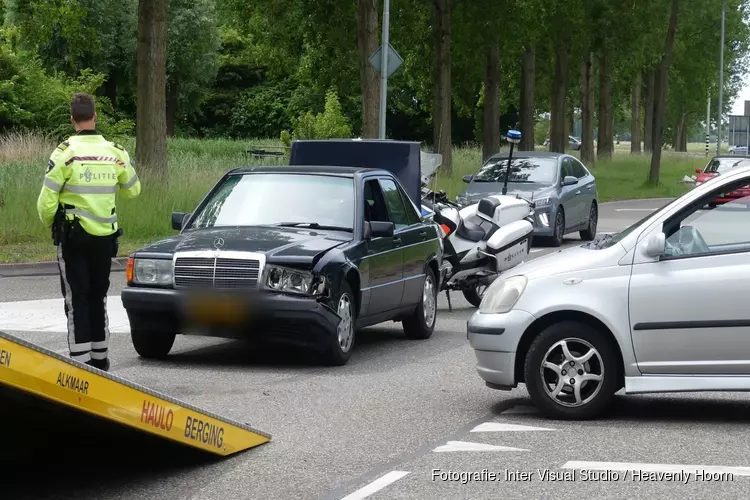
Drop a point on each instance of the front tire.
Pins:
(559, 229)
(571, 371)
(475, 295)
(590, 232)
(421, 323)
(150, 342)
(341, 345)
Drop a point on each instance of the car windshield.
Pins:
(303, 200)
(720, 165)
(536, 170)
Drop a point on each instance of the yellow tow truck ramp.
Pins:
(56, 380)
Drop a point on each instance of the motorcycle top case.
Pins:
(503, 209)
(510, 244)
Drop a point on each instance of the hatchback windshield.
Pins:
(537, 170)
(303, 200)
(720, 165)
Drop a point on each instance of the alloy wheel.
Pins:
(346, 325)
(428, 300)
(572, 372)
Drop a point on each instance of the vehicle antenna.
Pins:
(514, 137)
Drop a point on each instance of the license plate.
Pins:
(216, 310)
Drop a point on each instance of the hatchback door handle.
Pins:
(578, 192)
(397, 240)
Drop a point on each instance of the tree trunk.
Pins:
(557, 138)
(367, 43)
(491, 128)
(680, 133)
(171, 106)
(635, 117)
(528, 81)
(151, 126)
(648, 107)
(441, 114)
(660, 100)
(605, 146)
(587, 110)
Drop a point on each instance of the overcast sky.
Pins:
(739, 104)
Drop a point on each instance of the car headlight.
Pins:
(285, 279)
(542, 202)
(502, 295)
(149, 271)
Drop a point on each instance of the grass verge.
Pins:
(195, 165)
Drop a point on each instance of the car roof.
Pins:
(308, 169)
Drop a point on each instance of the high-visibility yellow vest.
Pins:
(84, 174)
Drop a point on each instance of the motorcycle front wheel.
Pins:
(475, 295)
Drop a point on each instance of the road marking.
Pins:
(535, 250)
(48, 315)
(635, 209)
(376, 485)
(498, 427)
(688, 469)
(464, 446)
(520, 410)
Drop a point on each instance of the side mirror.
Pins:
(655, 245)
(569, 180)
(467, 178)
(698, 171)
(378, 229)
(179, 219)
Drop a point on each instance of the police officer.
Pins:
(77, 202)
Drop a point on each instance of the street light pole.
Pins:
(721, 78)
(384, 67)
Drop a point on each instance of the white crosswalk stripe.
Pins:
(467, 446)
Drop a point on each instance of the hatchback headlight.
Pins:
(542, 202)
(501, 296)
(285, 279)
(150, 272)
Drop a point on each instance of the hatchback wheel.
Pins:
(559, 228)
(571, 371)
(590, 232)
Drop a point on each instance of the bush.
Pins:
(331, 123)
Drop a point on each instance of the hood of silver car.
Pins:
(571, 259)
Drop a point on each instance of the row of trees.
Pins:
(472, 68)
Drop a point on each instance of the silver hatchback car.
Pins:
(660, 307)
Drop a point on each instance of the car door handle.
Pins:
(397, 240)
(578, 192)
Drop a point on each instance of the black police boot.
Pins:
(102, 364)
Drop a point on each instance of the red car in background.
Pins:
(719, 165)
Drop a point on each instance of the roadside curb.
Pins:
(47, 268)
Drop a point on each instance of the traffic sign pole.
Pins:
(384, 68)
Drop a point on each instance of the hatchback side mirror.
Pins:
(467, 178)
(655, 245)
(569, 180)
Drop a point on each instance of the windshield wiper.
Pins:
(314, 225)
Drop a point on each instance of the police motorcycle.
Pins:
(481, 240)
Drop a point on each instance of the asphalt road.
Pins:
(404, 419)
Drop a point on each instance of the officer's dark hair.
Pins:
(82, 107)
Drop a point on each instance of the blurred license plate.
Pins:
(216, 310)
